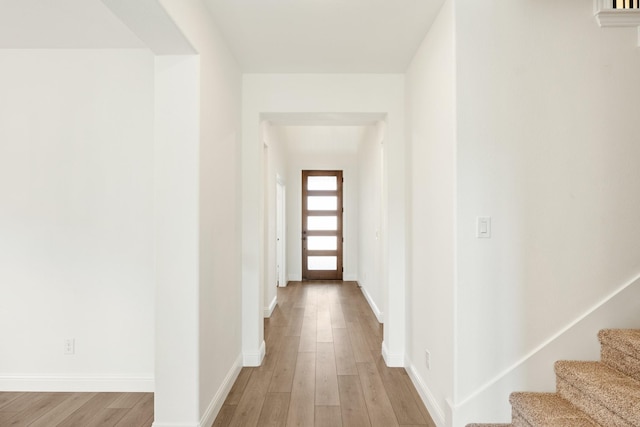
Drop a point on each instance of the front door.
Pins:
(322, 225)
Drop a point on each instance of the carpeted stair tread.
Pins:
(626, 340)
(546, 410)
(489, 425)
(620, 349)
(607, 395)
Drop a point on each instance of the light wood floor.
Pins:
(76, 409)
(323, 367)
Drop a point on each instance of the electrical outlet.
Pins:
(70, 346)
(427, 358)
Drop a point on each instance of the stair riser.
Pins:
(593, 408)
(623, 362)
(517, 420)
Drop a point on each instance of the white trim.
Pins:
(77, 383)
(372, 304)
(155, 424)
(521, 361)
(392, 360)
(296, 277)
(254, 359)
(350, 278)
(213, 409)
(429, 401)
(284, 285)
(606, 16)
(268, 311)
(599, 5)
(618, 18)
(450, 414)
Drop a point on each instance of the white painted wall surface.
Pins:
(76, 219)
(219, 292)
(431, 133)
(175, 155)
(321, 148)
(547, 146)
(322, 93)
(369, 220)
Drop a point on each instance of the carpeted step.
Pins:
(488, 425)
(546, 410)
(608, 396)
(620, 349)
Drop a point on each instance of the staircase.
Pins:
(588, 394)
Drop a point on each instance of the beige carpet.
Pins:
(588, 394)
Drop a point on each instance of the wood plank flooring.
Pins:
(323, 367)
(76, 409)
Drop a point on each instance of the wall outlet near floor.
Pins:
(427, 358)
(70, 346)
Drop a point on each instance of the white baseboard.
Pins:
(268, 311)
(295, 277)
(427, 397)
(155, 424)
(393, 360)
(350, 278)
(372, 304)
(254, 359)
(213, 409)
(77, 383)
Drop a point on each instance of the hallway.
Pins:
(323, 367)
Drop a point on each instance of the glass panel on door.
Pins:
(322, 203)
(322, 243)
(322, 223)
(322, 183)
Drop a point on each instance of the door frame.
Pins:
(339, 233)
(281, 233)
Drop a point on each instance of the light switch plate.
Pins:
(483, 227)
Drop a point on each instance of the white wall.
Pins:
(321, 148)
(324, 93)
(175, 157)
(218, 182)
(431, 119)
(369, 222)
(547, 146)
(76, 219)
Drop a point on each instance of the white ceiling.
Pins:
(266, 36)
(62, 24)
(324, 36)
